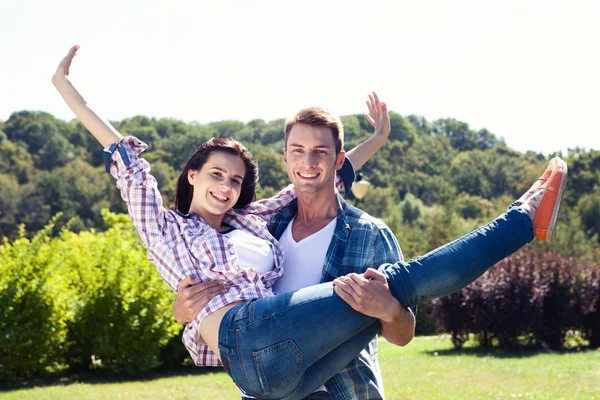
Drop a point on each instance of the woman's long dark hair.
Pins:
(185, 191)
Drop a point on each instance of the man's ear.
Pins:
(340, 160)
(191, 176)
(284, 155)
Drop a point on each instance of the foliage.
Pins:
(536, 295)
(82, 299)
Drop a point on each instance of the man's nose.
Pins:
(310, 160)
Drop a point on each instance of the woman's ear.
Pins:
(191, 176)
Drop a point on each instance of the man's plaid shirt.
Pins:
(359, 242)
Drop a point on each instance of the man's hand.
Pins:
(193, 296)
(370, 294)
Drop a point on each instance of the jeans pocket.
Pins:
(278, 365)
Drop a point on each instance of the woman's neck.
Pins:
(214, 220)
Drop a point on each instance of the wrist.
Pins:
(58, 79)
(395, 312)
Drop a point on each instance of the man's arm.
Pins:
(369, 293)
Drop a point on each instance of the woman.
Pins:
(264, 341)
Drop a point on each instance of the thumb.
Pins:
(375, 275)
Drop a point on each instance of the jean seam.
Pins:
(289, 308)
(241, 363)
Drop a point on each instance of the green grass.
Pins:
(428, 368)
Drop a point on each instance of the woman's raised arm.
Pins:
(102, 130)
(379, 119)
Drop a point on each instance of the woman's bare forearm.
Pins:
(99, 126)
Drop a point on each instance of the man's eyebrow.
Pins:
(223, 170)
(320, 146)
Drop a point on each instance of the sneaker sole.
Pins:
(551, 232)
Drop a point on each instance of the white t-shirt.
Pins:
(303, 262)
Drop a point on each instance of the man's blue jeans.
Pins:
(271, 348)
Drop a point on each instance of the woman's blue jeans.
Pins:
(286, 346)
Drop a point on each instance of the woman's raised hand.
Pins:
(65, 64)
(378, 115)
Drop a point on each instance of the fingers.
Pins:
(377, 102)
(187, 281)
(353, 285)
(375, 275)
(193, 296)
(371, 120)
(205, 295)
(347, 297)
(65, 64)
(201, 288)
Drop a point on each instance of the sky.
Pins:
(528, 71)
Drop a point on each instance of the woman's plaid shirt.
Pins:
(181, 245)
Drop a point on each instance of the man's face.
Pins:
(310, 158)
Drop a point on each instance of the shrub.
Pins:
(33, 318)
(532, 295)
(82, 297)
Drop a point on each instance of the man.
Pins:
(324, 238)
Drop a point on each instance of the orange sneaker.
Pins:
(546, 215)
(543, 178)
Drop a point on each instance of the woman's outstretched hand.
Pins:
(102, 130)
(378, 115)
(379, 119)
(65, 65)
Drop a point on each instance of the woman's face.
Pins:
(217, 185)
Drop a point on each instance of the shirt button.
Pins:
(232, 251)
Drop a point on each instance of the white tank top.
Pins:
(252, 252)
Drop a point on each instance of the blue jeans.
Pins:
(270, 346)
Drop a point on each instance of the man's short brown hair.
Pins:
(316, 116)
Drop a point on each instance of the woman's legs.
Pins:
(274, 346)
(467, 258)
(463, 260)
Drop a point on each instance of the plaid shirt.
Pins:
(180, 245)
(359, 242)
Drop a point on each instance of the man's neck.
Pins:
(321, 205)
(315, 211)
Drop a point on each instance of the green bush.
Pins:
(33, 317)
(87, 299)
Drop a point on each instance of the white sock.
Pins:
(531, 191)
(532, 204)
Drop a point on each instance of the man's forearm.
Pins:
(400, 329)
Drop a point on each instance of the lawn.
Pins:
(428, 368)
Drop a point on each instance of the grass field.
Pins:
(428, 368)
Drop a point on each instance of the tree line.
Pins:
(431, 182)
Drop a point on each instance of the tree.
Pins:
(56, 152)
(9, 204)
(32, 128)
